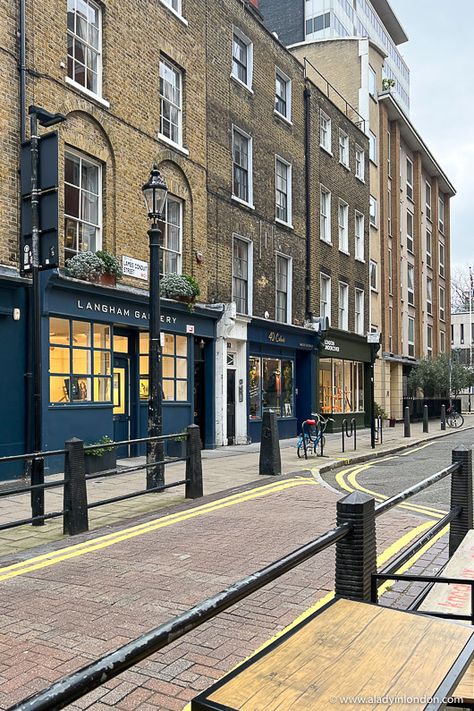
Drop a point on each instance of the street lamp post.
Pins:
(154, 193)
(373, 339)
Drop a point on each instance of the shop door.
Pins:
(122, 403)
(230, 406)
(199, 388)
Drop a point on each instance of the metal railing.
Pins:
(75, 495)
(354, 537)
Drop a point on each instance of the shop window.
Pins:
(174, 367)
(80, 361)
(341, 386)
(270, 387)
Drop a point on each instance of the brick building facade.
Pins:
(218, 103)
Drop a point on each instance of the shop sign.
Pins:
(135, 268)
(276, 337)
(135, 314)
(329, 345)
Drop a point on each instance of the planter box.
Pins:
(102, 463)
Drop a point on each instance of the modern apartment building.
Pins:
(297, 21)
(227, 117)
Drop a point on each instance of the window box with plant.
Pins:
(99, 267)
(180, 287)
(102, 458)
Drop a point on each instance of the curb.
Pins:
(359, 458)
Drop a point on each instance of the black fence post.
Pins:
(344, 422)
(426, 427)
(270, 457)
(381, 429)
(76, 516)
(356, 552)
(194, 489)
(321, 439)
(37, 495)
(354, 427)
(461, 495)
(443, 417)
(406, 423)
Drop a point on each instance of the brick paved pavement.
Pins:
(56, 619)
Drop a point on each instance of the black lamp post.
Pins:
(373, 339)
(154, 193)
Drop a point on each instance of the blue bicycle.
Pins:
(312, 439)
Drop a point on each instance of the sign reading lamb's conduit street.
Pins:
(455, 599)
(135, 268)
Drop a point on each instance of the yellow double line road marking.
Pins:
(95, 544)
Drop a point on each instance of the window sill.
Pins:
(239, 82)
(362, 180)
(288, 225)
(326, 150)
(321, 239)
(344, 251)
(374, 290)
(282, 117)
(345, 165)
(360, 259)
(241, 202)
(90, 94)
(172, 144)
(374, 225)
(374, 162)
(176, 14)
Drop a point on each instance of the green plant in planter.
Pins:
(85, 265)
(111, 263)
(179, 286)
(100, 451)
(379, 411)
(193, 282)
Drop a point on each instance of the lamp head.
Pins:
(154, 194)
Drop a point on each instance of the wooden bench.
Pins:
(456, 599)
(349, 649)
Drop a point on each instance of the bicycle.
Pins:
(453, 418)
(312, 436)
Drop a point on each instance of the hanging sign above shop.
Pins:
(135, 268)
(329, 345)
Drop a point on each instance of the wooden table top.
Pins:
(349, 649)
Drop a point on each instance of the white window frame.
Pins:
(80, 220)
(442, 258)
(178, 11)
(343, 226)
(359, 246)
(429, 340)
(409, 182)
(429, 248)
(373, 270)
(99, 51)
(289, 286)
(390, 271)
(372, 83)
(442, 304)
(373, 211)
(389, 211)
(410, 244)
(359, 305)
(442, 341)
(325, 279)
(244, 134)
(428, 197)
(390, 329)
(237, 32)
(164, 248)
(389, 157)
(179, 107)
(327, 144)
(373, 147)
(343, 306)
(249, 243)
(411, 289)
(429, 296)
(411, 341)
(288, 84)
(343, 149)
(360, 163)
(325, 219)
(441, 215)
(289, 192)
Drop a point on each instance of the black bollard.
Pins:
(425, 419)
(406, 423)
(443, 417)
(270, 459)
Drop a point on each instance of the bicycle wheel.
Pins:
(300, 447)
(318, 446)
(458, 420)
(450, 421)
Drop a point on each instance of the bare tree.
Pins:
(460, 285)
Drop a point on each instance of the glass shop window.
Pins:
(174, 367)
(271, 387)
(80, 361)
(341, 386)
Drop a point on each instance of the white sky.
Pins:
(440, 56)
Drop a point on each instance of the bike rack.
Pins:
(345, 432)
(379, 430)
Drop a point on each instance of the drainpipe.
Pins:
(307, 180)
(22, 68)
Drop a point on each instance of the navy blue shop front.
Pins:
(281, 376)
(95, 383)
